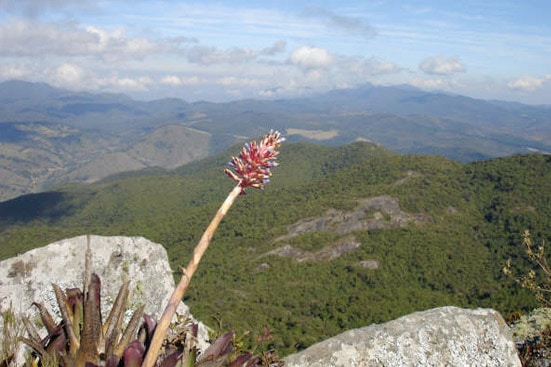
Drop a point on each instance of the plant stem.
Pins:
(181, 288)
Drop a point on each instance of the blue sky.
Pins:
(227, 50)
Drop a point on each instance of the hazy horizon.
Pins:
(229, 50)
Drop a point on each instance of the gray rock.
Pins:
(370, 213)
(447, 336)
(28, 277)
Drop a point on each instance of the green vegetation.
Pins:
(533, 330)
(537, 279)
(476, 215)
(82, 339)
(12, 332)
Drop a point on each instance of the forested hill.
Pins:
(50, 136)
(342, 237)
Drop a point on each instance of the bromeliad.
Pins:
(252, 168)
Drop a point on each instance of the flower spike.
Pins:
(252, 168)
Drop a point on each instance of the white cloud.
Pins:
(365, 67)
(69, 74)
(276, 48)
(171, 80)
(308, 57)
(206, 55)
(14, 71)
(441, 65)
(134, 84)
(236, 81)
(435, 83)
(177, 80)
(383, 67)
(72, 76)
(27, 38)
(33, 8)
(528, 83)
(270, 92)
(346, 23)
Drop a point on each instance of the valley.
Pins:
(50, 136)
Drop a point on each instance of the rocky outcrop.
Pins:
(332, 251)
(370, 213)
(447, 336)
(28, 277)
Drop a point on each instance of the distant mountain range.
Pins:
(50, 136)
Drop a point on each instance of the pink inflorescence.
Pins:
(252, 168)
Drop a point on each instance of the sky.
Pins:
(228, 50)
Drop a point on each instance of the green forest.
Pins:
(474, 215)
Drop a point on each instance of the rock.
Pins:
(28, 277)
(529, 327)
(532, 336)
(370, 264)
(447, 336)
(370, 213)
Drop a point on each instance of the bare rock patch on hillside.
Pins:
(371, 213)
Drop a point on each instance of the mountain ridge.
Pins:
(50, 136)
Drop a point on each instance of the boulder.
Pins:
(447, 336)
(28, 278)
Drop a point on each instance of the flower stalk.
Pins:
(252, 168)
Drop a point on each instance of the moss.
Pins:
(532, 325)
(138, 294)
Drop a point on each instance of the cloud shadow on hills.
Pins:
(46, 206)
